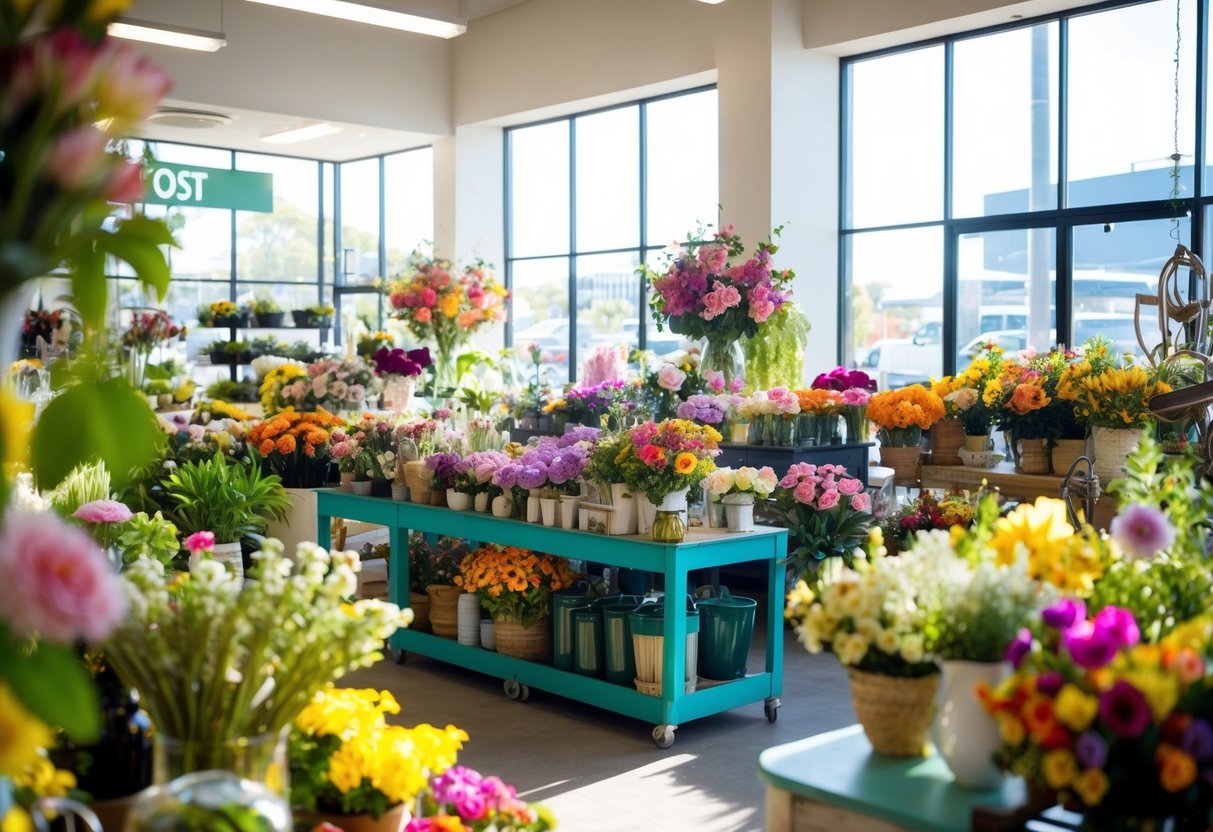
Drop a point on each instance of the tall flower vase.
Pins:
(895, 712)
(1111, 447)
(856, 419)
(210, 783)
(444, 369)
(398, 392)
(723, 355)
(739, 511)
(624, 518)
(966, 737)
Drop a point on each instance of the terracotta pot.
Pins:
(533, 643)
(947, 437)
(1033, 456)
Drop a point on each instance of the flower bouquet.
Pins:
(250, 675)
(702, 295)
(827, 512)
(927, 512)
(463, 800)
(586, 405)
(660, 458)
(447, 309)
(295, 447)
(514, 584)
(737, 491)
(856, 388)
(663, 385)
(1122, 729)
(903, 414)
(147, 330)
(346, 759)
(715, 410)
(817, 423)
(399, 370)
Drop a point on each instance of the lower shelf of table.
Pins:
(672, 710)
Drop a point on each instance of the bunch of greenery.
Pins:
(148, 536)
(434, 563)
(775, 356)
(231, 501)
(262, 306)
(226, 390)
(84, 484)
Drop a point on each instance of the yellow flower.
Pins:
(1059, 768)
(1074, 708)
(16, 422)
(1161, 690)
(1010, 728)
(17, 820)
(22, 736)
(44, 780)
(1091, 786)
(685, 463)
(449, 305)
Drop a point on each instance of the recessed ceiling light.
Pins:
(164, 35)
(302, 133)
(423, 24)
(189, 119)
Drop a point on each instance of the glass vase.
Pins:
(211, 785)
(444, 370)
(855, 416)
(669, 527)
(723, 355)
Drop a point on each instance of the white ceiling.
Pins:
(244, 25)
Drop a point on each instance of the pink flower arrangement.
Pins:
(55, 582)
(783, 401)
(701, 294)
(462, 798)
(825, 508)
(606, 363)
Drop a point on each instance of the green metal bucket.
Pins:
(587, 640)
(726, 627)
(564, 601)
(619, 663)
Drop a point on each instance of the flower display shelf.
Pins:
(852, 456)
(233, 331)
(702, 549)
(834, 781)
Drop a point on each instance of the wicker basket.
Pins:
(444, 605)
(532, 643)
(904, 462)
(895, 712)
(1033, 456)
(419, 603)
(947, 437)
(1063, 454)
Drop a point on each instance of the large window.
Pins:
(955, 230)
(589, 198)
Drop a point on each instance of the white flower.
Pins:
(912, 648)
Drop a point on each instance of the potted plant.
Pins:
(738, 490)
(444, 467)
(902, 415)
(826, 511)
(237, 352)
(217, 350)
(295, 447)
(662, 461)
(515, 586)
(437, 568)
(222, 313)
(317, 316)
(464, 798)
(231, 501)
(267, 312)
(346, 765)
(399, 371)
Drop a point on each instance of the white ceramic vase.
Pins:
(549, 510)
(965, 735)
(361, 487)
(532, 506)
(458, 500)
(568, 510)
(467, 619)
(229, 554)
(739, 511)
(299, 524)
(488, 634)
(481, 502)
(624, 519)
(502, 506)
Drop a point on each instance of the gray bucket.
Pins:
(726, 625)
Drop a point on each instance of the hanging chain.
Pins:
(1175, 155)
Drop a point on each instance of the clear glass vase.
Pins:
(724, 356)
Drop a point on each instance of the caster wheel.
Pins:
(663, 735)
(771, 708)
(516, 690)
(397, 655)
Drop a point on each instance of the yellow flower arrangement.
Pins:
(227, 410)
(904, 413)
(1119, 397)
(514, 583)
(274, 381)
(1056, 553)
(346, 759)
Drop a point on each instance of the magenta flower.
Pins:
(103, 511)
(1091, 646)
(1142, 531)
(1065, 614)
(1050, 682)
(1019, 647)
(1118, 624)
(1124, 710)
(200, 542)
(55, 581)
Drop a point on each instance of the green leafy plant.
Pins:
(231, 501)
(1173, 484)
(84, 484)
(148, 536)
(775, 356)
(227, 390)
(236, 347)
(263, 306)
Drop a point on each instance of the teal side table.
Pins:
(835, 782)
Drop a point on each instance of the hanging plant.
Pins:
(775, 357)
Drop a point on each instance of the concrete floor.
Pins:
(600, 772)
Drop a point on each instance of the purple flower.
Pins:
(1091, 646)
(1019, 647)
(1124, 710)
(1091, 750)
(506, 476)
(1142, 531)
(1197, 740)
(398, 362)
(1065, 614)
(1118, 624)
(1049, 682)
(532, 476)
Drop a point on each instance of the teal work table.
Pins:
(702, 549)
(836, 782)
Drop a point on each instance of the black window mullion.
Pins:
(951, 288)
(572, 372)
(642, 290)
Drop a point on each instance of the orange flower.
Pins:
(1028, 398)
(685, 463)
(266, 447)
(1176, 770)
(286, 444)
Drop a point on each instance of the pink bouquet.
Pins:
(826, 509)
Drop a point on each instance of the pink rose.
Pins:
(861, 501)
(428, 296)
(805, 492)
(713, 257)
(828, 499)
(423, 315)
(671, 378)
(849, 486)
(55, 581)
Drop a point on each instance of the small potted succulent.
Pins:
(266, 312)
(320, 315)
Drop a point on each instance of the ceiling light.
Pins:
(713, 2)
(424, 24)
(302, 133)
(178, 36)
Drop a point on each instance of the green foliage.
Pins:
(1161, 593)
(148, 536)
(107, 421)
(775, 356)
(52, 684)
(1174, 485)
(227, 390)
(232, 501)
(434, 563)
(85, 483)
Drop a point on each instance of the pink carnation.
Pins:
(200, 542)
(103, 511)
(671, 378)
(55, 581)
(828, 499)
(714, 257)
(849, 486)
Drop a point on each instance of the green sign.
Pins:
(167, 184)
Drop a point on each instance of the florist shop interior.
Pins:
(655, 414)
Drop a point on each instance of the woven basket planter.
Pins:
(947, 437)
(895, 712)
(1033, 456)
(532, 643)
(1064, 452)
(419, 603)
(904, 462)
(444, 606)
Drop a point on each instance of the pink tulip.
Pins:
(129, 85)
(78, 158)
(126, 183)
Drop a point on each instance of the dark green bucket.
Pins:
(564, 601)
(726, 625)
(619, 663)
(587, 640)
